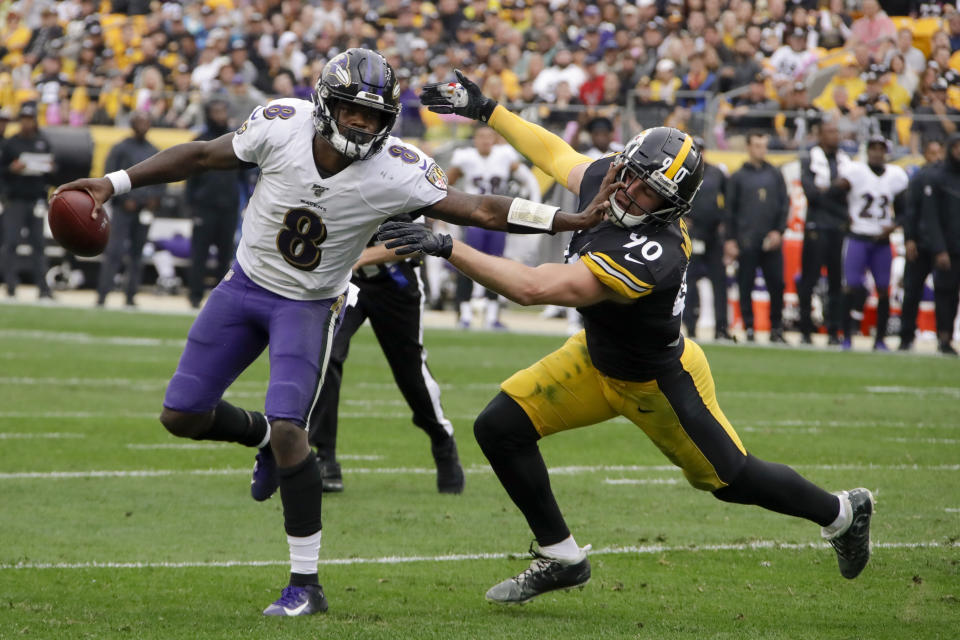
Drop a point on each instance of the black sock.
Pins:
(301, 490)
(233, 424)
(304, 579)
(883, 316)
(508, 439)
(779, 488)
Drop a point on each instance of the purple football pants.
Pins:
(860, 254)
(486, 240)
(239, 320)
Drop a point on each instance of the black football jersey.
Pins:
(647, 264)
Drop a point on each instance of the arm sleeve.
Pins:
(931, 202)
(784, 201)
(536, 144)
(732, 207)
(810, 190)
(911, 209)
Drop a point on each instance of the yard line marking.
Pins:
(952, 510)
(86, 338)
(475, 469)
(185, 445)
(759, 545)
(79, 415)
(140, 385)
(641, 481)
(53, 435)
(850, 424)
(924, 440)
(918, 391)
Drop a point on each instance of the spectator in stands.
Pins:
(707, 224)
(833, 25)
(939, 207)
(795, 123)
(214, 201)
(27, 163)
(743, 68)
(758, 203)
(793, 60)
(752, 111)
(913, 58)
(823, 230)
(131, 214)
(934, 121)
(873, 107)
(874, 29)
(922, 236)
(698, 78)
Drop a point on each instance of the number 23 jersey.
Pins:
(302, 232)
(647, 264)
(871, 196)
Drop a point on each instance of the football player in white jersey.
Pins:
(876, 188)
(330, 173)
(485, 167)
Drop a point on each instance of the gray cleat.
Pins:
(545, 574)
(853, 543)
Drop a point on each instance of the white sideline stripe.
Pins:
(760, 545)
(86, 338)
(475, 469)
(919, 391)
(924, 440)
(641, 481)
(51, 435)
(185, 445)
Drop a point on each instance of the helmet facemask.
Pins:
(672, 208)
(354, 143)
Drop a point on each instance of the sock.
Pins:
(564, 550)
(493, 312)
(843, 520)
(233, 424)
(301, 490)
(304, 557)
(266, 438)
(466, 312)
(883, 317)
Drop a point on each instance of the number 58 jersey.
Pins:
(302, 232)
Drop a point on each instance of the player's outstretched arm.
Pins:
(170, 165)
(518, 215)
(571, 285)
(545, 150)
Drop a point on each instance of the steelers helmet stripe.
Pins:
(681, 157)
(613, 278)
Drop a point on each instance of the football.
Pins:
(76, 226)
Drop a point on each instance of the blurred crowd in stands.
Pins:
(717, 68)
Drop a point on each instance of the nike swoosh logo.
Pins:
(630, 258)
(641, 410)
(296, 610)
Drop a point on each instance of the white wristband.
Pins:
(527, 213)
(120, 181)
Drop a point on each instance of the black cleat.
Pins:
(833, 340)
(776, 337)
(806, 339)
(331, 475)
(544, 575)
(945, 349)
(853, 544)
(450, 478)
(751, 336)
(298, 601)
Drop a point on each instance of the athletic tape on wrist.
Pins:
(527, 213)
(120, 181)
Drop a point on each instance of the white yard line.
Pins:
(924, 440)
(476, 469)
(917, 391)
(86, 338)
(49, 435)
(760, 545)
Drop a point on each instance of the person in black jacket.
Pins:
(823, 231)
(390, 294)
(920, 237)
(940, 208)
(214, 200)
(758, 203)
(27, 167)
(707, 225)
(131, 213)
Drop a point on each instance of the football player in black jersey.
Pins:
(626, 276)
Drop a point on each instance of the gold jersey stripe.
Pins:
(612, 278)
(686, 244)
(681, 157)
(623, 270)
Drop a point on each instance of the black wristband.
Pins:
(486, 109)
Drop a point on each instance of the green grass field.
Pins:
(111, 528)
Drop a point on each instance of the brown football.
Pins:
(76, 227)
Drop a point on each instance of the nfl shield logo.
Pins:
(318, 190)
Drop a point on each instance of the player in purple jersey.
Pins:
(329, 175)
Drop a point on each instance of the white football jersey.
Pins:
(302, 232)
(870, 201)
(485, 174)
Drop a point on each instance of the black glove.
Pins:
(463, 98)
(407, 237)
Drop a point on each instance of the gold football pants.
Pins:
(678, 410)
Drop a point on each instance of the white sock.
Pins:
(266, 438)
(493, 312)
(844, 518)
(466, 312)
(304, 553)
(563, 550)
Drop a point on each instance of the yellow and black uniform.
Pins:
(631, 360)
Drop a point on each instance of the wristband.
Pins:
(526, 213)
(120, 181)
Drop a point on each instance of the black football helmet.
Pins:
(364, 78)
(669, 161)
